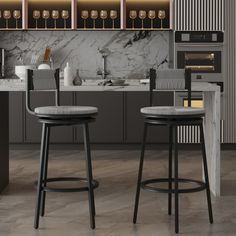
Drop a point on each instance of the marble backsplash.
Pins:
(130, 52)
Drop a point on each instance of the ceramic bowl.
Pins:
(21, 71)
(118, 81)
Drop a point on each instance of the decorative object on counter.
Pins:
(113, 82)
(16, 16)
(55, 16)
(47, 55)
(36, 16)
(44, 66)
(77, 80)
(103, 16)
(113, 16)
(152, 16)
(65, 16)
(133, 16)
(46, 16)
(142, 15)
(84, 16)
(118, 81)
(45, 61)
(7, 16)
(68, 76)
(21, 71)
(94, 16)
(161, 16)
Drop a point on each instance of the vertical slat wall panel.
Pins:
(199, 15)
(229, 106)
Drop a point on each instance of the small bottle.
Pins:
(68, 76)
(77, 80)
(51, 62)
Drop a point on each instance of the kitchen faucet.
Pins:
(103, 72)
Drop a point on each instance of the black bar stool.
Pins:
(172, 117)
(48, 80)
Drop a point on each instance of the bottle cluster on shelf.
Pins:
(8, 15)
(144, 15)
(103, 14)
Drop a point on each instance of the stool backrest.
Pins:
(170, 79)
(42, 80)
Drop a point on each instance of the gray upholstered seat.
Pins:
(66, 110)
(172, 111)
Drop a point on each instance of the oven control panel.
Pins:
(199, 37)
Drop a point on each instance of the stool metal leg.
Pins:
(89, 176)
(176, 181)
(45, 171)
(40, 178)
(170, 169)
(140, 174)
(208, 193)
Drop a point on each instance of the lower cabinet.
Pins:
(135, 121)
(16, 117)
(33, 128)
(109, 125)
(118, 121)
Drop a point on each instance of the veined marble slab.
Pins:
(130, 52)
(92, 85)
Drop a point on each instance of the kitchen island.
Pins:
(211, 95)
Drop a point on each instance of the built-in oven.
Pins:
(202, 52)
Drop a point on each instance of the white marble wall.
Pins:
(130, 52)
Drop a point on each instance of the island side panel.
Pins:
(212, 138)
(4, 140)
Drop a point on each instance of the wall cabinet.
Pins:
(11, 14)
(86, 14)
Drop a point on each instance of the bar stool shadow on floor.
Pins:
(172, 117)
(51, 116)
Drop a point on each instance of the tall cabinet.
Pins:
(199, 15)
(230, 77)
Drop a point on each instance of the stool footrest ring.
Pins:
(68, 179)
(146, 185)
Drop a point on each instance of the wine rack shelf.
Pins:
(86, 15)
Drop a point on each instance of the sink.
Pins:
(21, 70)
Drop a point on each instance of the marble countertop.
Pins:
(92, 85)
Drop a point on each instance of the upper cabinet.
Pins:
(199, 15)
(11, 14)
(98, 14)
(149, 14)
(86, 14)
(48, 14)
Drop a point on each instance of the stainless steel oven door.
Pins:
(205, 60)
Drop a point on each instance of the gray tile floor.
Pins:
(67, 213)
